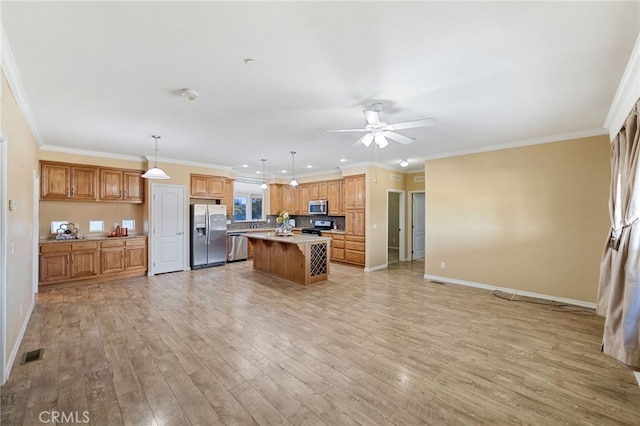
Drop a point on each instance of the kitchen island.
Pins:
(303, 259)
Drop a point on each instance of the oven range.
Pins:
(318, 227)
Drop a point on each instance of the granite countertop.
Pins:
(291, 238)
(49, 241)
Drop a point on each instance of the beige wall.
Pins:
(533, 218)
(22, 163)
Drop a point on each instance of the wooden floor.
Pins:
(231, 346)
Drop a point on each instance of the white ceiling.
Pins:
(105, 76)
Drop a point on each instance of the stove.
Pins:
(318, 227)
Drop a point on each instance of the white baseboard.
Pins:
(16, 347)
(376, 268)
(637, 374)
(447, 280)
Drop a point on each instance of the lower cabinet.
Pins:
(92, 261)
(354, 249)
(337, 247)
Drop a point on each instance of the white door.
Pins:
(168, 233)
(418, 236)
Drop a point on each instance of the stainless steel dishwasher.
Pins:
(237, 247)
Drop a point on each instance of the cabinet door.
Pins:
(199, 186)
(84, 183)
(111, 185)
(355, 188)
(288, 198)
(136, 258)
(334, 198)
(323, 188)
(55, 181)
(112, 260)
(275, 199)
(215, 187)
(313, 191)
(228, 196)
(355, 223)
(133, 187)
(54, 267)
(303, 193)
(84, 263)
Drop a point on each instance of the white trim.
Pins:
(35, 233)
(14, 81)
(376, 268)
(627, 94)
(401, 224)
(150, 158)
(3, 256)
(16, 347)
(520, 143)
(67, 150)
(516, 292)
(637, 374)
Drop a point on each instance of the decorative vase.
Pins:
(285, 228)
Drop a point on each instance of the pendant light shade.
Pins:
(155, 172)
(293, 182)
(264, 182)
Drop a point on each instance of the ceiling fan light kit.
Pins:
(404, 163)
(379, 131)
(155, 172)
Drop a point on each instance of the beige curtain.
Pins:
(619, 292)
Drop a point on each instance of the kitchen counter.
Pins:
(128, 237)
(301, 258)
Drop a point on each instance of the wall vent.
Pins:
(396, 178)
(418, 178)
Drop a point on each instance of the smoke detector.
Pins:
(190, 94)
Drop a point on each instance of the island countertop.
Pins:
(291, 239)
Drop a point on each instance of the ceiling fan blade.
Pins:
(365, 140)
(397, 137)
(345, 130)
(411, 124)
(372, 117)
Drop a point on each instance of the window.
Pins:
(248, 203)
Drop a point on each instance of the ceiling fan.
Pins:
(379, 131)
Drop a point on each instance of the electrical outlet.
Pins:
(443, 265)
(269, 220)
(310, 221)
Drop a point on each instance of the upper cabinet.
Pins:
(208, 187)
(121, 185)
(354, 192)
(334, 197)
(228, 195)
(77, 182)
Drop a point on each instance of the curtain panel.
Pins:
(619, 291)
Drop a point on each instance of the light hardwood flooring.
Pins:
(229, 346)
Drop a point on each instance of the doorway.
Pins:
(418, 228)
(167, 237)
(395, 226)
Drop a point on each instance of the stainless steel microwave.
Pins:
(318, 207)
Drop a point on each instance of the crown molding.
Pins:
(520, 143)
(627, 94)
(151, 158)
(8, 63)
(67, 150)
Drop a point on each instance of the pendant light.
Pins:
(155, 172)
(293, 182)
(264, 182)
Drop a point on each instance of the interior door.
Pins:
(168, 234)
(418, 235)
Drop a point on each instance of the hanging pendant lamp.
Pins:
(264, 182)
(155, 172)
(293, 182)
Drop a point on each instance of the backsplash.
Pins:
(302, 221)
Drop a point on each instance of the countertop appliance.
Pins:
(208, 235)
(318, 227)
(238, 247)
(318, 207)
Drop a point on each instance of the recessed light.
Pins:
(404, 163)
(309, 166)
(245, 166)
(284, 171)
(343, 160)
(259, 172)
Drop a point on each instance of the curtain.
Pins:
(619, 291)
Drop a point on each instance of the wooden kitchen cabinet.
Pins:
(334, 197)
(303, 197)
(121, 185)
(92, 261)
(275, 199)
(208, 187)
(288, 198)
(63, 181)
(355, 222)
(355, 189)
(337, 246)
(228, 196)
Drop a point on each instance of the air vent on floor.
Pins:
(32, 356)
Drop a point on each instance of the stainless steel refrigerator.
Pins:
(208, 235)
